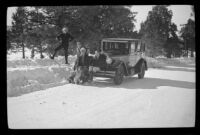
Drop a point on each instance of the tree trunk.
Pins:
(32, 53)
(192, 52)
(41, 55)
(185, 52)
(169, 53)
(23, 51)
(187, 49)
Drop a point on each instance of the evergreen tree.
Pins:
(188, 34)
(41, 34)
(172, 46)
(155, 30)
(90, 24)
(9, 38)
(19, 27)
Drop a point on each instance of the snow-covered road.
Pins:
(165, 97)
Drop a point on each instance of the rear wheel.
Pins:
(142, 71)
(119, 75)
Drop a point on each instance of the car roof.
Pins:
(119, 39)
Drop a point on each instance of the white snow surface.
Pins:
(18, 54)
(39, 96)
(164, 98)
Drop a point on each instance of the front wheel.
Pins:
(119, 75)
(142, 71)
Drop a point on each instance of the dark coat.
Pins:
(100, 61)
(65, 39)
(78, 52)
(82, 61)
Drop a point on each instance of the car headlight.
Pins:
(108, 60)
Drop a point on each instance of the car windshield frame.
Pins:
(116, 47)
(139, 46)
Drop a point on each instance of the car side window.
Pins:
(136, 45)
(139, 47)
(129, 48)
(132, 47)
(109, 44)
(142, 47)
(105, 46)
(126, 45)
(116, 46)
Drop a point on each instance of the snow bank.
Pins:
(23, 80)
(27, 75)
(16, 54)
(161, 61)
(15, 63)
(154, 63)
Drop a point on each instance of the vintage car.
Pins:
(127, 59)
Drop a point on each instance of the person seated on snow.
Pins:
(80, 68)
(78, 52)
(79, 46)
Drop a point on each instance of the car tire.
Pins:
(142, 71)
(119, 75)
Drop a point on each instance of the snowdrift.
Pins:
(38, 62)
(28, 75)
(27, 80)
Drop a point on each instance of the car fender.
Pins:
(138, 65)
(124, 66)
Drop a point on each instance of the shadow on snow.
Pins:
(146, 83)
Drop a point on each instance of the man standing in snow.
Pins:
(65, 38)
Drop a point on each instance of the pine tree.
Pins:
(37, 31)
(172, 43)
(155, 30)
(9, 38)
(19, 27)
(188, 34)
(90, 24)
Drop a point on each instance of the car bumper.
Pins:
(107, 74)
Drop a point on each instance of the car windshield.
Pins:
(116, 48)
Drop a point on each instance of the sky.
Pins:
(181, 13)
